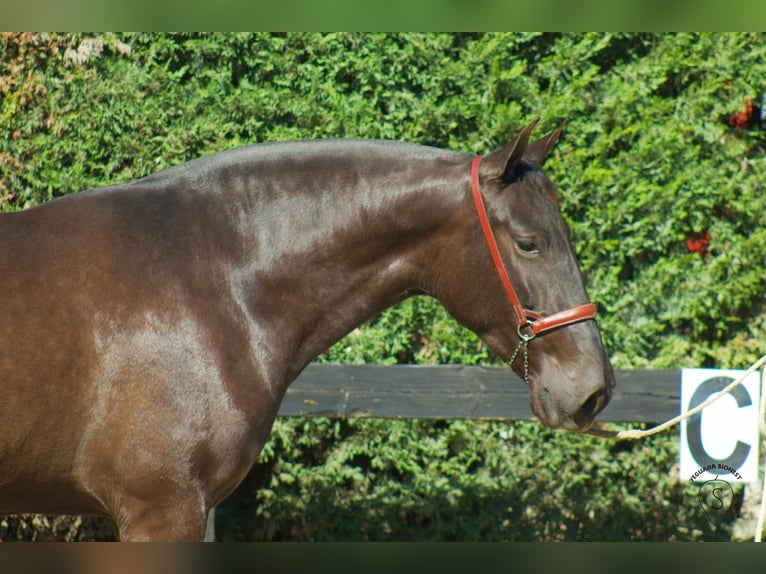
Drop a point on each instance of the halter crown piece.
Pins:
(530, 324)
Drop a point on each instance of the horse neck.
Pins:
(332, 247)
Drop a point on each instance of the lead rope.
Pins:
(636, 433)
(632, 434)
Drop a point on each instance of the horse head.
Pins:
(527, 300)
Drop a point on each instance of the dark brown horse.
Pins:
(149, 330)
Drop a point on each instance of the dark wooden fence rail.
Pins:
(456, 391)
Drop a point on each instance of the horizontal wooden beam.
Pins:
(460, 392)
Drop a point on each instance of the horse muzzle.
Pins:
(572, 401)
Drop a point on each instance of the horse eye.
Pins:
(528, 245)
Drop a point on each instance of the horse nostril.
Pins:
(590, 408)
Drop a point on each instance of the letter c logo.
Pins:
(694, 425)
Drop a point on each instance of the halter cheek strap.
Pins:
(530, 324)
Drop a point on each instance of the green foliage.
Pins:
(372, 479)
(647, 161)
(418, 331)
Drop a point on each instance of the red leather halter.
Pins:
(536, 323)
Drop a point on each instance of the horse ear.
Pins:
(502, 164)
(538, 149)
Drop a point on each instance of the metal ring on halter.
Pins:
(524, 337)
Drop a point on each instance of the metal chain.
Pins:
(523, 342)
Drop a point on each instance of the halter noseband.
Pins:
(533, 322)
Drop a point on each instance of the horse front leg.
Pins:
(168, 517)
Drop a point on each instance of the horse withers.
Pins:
(149, 330)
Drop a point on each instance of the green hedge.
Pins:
(648, 163)
(373, 480)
